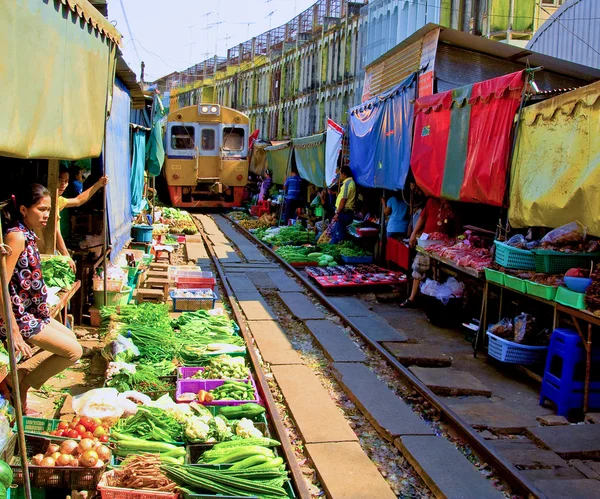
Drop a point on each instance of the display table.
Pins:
(65, 297)
(576, 316)
(436, 260)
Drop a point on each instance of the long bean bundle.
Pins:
(151, 423)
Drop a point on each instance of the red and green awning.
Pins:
(462, 140)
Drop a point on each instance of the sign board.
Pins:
(427, 66)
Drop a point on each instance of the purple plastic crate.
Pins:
(187, 372)
(195, 385)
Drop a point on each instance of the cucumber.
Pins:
(250, 461)
(328, 258)
(250, 410)
(318, 256)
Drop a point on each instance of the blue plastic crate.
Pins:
(514, 353)
(192, 303)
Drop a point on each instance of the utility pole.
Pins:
(192, 43)
(143, 66)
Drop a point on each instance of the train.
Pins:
(206, 160)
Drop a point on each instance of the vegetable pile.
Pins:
(88, 453)
(264, 222)
(57, 272)
(293, 235)
(234, 390)
(224, 367)
(141, 471)
(178, 221)
(150, 423)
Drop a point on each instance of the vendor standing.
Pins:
(344, 205)
(293, 195)
(437, 216)
(265, 186)
(24, 213)
(396, 210)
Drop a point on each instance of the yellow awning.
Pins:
(555, 176)
(57, 64)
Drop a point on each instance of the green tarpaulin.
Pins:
(155, 151)
(310, 158)
(278, 158)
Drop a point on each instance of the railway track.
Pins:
(430, 407)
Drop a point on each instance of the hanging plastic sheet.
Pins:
(462, 140)
(155, 151)
(258, 162)
(117, 161)
(278, 158)
(138, 203)
(380, 138)
(333, 146)
(555, 176)
(57, 62)
(309, 153)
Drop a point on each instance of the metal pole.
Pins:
(382, 242)
(13, 367)
(105, 229)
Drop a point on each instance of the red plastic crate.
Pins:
(196, 283)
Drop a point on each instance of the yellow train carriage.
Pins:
(206, 161)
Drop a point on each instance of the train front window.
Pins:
(182, 137)
(208, 140)
(233, 139)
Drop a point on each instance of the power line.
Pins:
(130, 32)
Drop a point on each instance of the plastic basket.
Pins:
(514, 258)
(515, 283)
(108, 492)
(142, 233)
(514, 353)
(188, 372)
(61, 477)
(195, 283)
(541, 291)
(195, 385)
(494, 276)
(570, 298)
(557, 262)
(187, 304)
(357, 259)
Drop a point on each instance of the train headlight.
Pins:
(204, 109)
(214, 109)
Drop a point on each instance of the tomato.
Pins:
(88, 434)
(85, 421)
(76, 419)
(60, 433)
(63, 425)
(72, 434)
(103, 438)
(99, 431)
(92, 427)
(81, 429)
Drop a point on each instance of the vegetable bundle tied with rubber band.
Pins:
(151, 423)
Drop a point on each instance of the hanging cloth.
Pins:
(333, 146)
(138, 203)
(309, 153)
(155, 151)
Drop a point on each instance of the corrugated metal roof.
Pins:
(572, 33)
(94, 18)
(127, 76)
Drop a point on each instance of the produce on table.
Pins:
(88, 453)
(125, 445)
(245, 428)
(150, 423)
(264, 222)
(294, 254)
(57, 272)
(293, 235)
(234, 390)
(464, 255)
(238, 215)
(224, 367)
(144, 313)
(141, 471)
(82, 427)
(178, 221)
(145, 378)
(207, 429)
(249, 410)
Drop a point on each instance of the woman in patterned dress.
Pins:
(32, 326)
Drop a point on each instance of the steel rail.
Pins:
(299, 482)
(501, 465)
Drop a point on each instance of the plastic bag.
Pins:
(573, 232)
(121, 349)
(517, 241)
(117, 367)
(525, 329)
(98, 403)
(443, 292)
(503, 329)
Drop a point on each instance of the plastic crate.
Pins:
(494, 276)
(195, 283)
(570, 298)
(510, 352)
(34, 430)
(61, 477)
(557, 262)
(193, 303)
(514, 258)
(195, 385)
(15, 492)
(515, 283)
(356, 259)
(541, 291)
(188, 372)
(108, 492)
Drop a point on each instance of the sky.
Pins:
(172, 35)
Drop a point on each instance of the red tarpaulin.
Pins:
(462, 140)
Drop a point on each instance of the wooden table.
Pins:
(65, 297)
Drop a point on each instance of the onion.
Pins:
(99, 464)
(64, 460)
(88, 459)
(74, 462)
(52, 448)
(37, 459)
(103, 452)
(68, 447)
(47, 461)
(55, 455)
(85, 444)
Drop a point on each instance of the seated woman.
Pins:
(32, 326)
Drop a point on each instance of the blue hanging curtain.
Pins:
(155, 150)
(138, 203)
(310, 158)
(117, 165)
(381, 137)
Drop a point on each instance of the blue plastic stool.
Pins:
(564, 375)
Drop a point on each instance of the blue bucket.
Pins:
(142, 233)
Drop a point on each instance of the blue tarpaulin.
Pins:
(310, 158)
(138, 203)
(117, 161)
(381, 137)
